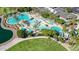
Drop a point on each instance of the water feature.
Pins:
(57, 29)
(5, 35)
(22, 16)
(39, 23)
(12, 20)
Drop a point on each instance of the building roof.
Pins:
(71, 16)
(60, 12)
(75, 9)
(59, 9)
(63, 14)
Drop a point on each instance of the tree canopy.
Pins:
(48, 15)
(58, 20)
(24, 9)
(21, 34)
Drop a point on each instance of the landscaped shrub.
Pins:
(21, 34)
(50, 33)
(24, 9)
(48, 15)
(68, 9)
(58, 20)
(61, 39)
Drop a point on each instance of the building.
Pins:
(71, 16)
(75, 9)
(62, 14)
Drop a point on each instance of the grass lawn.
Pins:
(75, 47)
(37, 45)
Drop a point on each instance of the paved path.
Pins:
(76, 15)
(17, 40)
(65, 45)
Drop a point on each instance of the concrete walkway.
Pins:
(17, 40)
(65, 45)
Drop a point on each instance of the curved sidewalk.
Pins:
(17, 40)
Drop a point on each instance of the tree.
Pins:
(6, 10)
(50, 33)
(48, 15)
(21, 34)
(68, 9)
(58, 20)
(20, 9)
(73, 39)
(45, 15)
(27, 9)
(24, 9)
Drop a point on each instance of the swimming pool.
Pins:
(12, 21)
(22, 16)
(42, 26)
(57, 29)
(23, 28)
(34, 22)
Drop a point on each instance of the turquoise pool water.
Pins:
(42, 26)
(23, 29)
(24, 16)
(21, 16)
(12, 21)
(57, 29)
(32, 21)
(30, 30)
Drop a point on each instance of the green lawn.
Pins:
(75, 47)
(37, 45)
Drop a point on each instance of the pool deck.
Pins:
(37, 18)
(15, 39)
